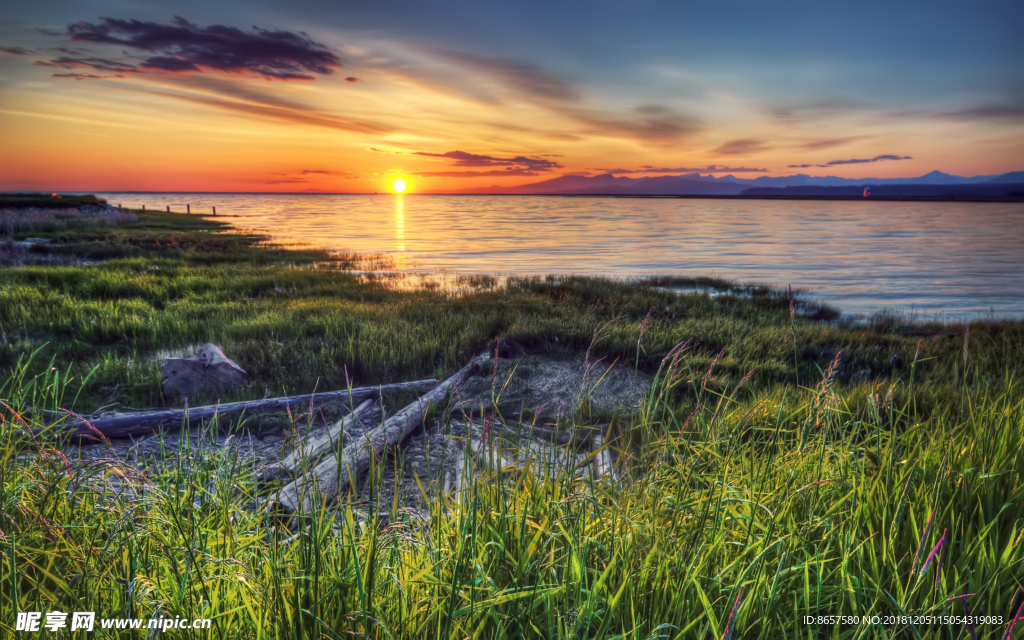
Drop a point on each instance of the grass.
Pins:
(888, 483)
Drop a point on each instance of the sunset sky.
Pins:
(346, 96)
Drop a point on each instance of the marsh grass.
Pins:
(744, 500)
(746, 512)
(15, 221)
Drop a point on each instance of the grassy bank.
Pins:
(780, 467)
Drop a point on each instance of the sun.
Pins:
(398, 185)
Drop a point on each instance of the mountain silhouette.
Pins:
(695, 184)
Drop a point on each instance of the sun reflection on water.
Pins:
(400, 230)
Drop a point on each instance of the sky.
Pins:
(128, 95)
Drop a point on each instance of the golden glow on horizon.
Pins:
(313, 149)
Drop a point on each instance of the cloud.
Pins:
(650, 124)
(465, 159)
(864, 160)
(285, 181)
(282, 111)
(508, 171)
(53, 33)
(834, 163)
(296, 176)
(519, 165)
(526, 78)
(818, 109)
(99, 64)
(711, 168)
(741, 147)
(184, 46)
(827, 143)
(994, 111)
(352, 79)
(237, 89)
(15, 51)
(85, 76)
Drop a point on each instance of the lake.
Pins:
(946, 260)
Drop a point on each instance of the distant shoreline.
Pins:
(884, 198)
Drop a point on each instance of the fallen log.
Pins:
(141, 422)
(333, 475)
(310, 449)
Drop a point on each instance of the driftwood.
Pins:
(310, 449)
(141, 422)
(333, 475)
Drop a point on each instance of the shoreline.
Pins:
(824, 198)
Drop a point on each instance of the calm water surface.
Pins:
(957, 259)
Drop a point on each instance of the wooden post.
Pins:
(143, 207)
(215, 211)
(168, 208)
(188, 208)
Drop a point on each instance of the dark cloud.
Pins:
(53, 33)
(711, 168)
(508, 171)
(351, 79)
(864, 160)
(519, 165)
(84, 76)
(309, 171)
(15, 51)
(741, 147)
(833, 163)
(464, 159)
(98, 64)
(183, 46)
(169, 63)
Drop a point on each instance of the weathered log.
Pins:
(312, 447)
(333, 475)
(141, 422)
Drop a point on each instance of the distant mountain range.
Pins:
(934, 184)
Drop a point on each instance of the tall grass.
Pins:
(13, 221)
(735, 516)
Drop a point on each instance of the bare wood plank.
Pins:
(141, 422)
(334, 475)
(309, 451)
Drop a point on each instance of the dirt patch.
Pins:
(549, 389)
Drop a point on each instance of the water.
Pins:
(960, 260)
